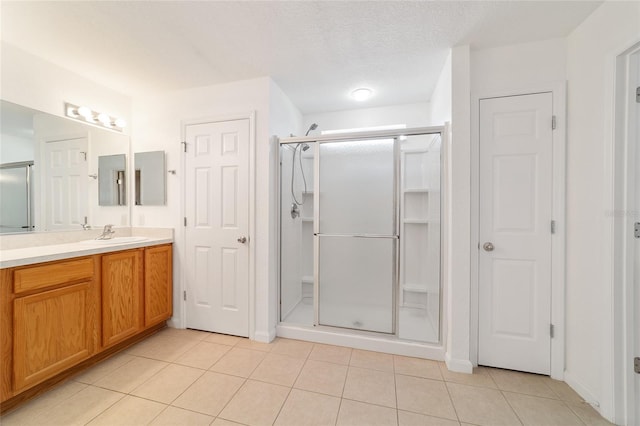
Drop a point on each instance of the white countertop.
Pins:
(47, 253)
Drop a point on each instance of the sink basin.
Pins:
(116, 240)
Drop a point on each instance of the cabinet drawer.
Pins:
(39, 277)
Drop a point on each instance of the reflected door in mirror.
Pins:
(66, 183)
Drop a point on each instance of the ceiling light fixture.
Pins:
(361, 94)
(87, 115)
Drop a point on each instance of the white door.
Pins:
(217, 218)
(65, 184)
(515, 235)
(635, 121)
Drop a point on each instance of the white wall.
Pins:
(518, 67)
(440, 104)
(591, 51)
(459, 208)
(30, 81)
(413, 115)
(158, 123)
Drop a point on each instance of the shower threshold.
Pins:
(358, 339)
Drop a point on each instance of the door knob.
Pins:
(242, 240)
(488, 246)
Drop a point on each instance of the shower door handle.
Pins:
(242, 240)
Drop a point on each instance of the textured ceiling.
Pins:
(317, 51)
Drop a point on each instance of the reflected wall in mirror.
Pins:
(112, 180)
(150, 178)
(65, 155)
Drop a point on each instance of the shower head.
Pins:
(312, 127)
(305, 147)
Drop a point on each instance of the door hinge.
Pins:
(553, 226)
(184, 295)
(638, 94)
(551, 330)
(553, 122)
(185, 221)
(184, 146)
(636, 229)
(636, 365)
(84, 154)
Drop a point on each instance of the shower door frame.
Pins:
(396, 135)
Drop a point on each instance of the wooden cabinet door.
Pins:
(122, 308)
(158, 289)
(52, 332)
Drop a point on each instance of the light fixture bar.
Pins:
(100, 119)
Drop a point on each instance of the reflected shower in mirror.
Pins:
(112, 180)
(150, 178)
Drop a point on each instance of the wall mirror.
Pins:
(59, 191)
(149, 175)
(112, 180)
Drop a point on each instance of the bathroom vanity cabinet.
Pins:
(58, 317)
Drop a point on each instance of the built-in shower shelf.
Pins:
(419, 190)
(421, 288)
(307, 219)
(417, 221)
(307, 279)
(308, 192)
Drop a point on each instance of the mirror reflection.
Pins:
(111, 180)
(150, 178)
(63, 158)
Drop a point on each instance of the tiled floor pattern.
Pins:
(186, 377)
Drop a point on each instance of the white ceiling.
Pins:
(317, 51)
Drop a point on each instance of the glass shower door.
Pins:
(356, 234)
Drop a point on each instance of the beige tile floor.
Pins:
(186, 377)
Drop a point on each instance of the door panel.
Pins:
(217, 213)
(357, 234)
(66, 185)
(515, 218)
(357, 283)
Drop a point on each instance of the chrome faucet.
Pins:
(107, 233)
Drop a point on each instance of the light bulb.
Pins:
(361, 94)
(85, 112)
(120, 122)
(104, 119)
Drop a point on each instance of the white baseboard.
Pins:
(458, 365)
(582, 391)
(265, 336)
(174, 322)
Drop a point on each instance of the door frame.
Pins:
(621, 261)
(558, 240)
(251, 116)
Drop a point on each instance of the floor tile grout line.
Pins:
(281, 407)
(231, 399)
(453, 404)
(511, 406)
(105, 410)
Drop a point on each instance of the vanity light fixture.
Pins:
(87, 115)
(361, 94)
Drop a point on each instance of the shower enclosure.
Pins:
(360, 232)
